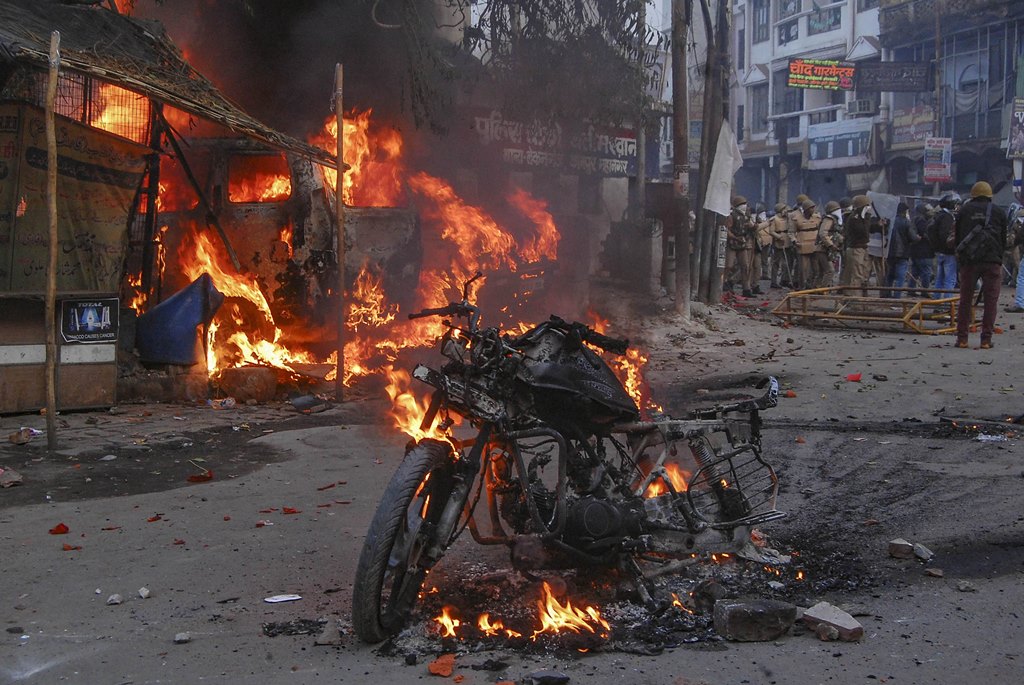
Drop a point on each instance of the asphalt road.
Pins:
(850, 485)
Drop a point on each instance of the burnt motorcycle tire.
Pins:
(391, 566)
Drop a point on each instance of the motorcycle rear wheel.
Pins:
(392, 565)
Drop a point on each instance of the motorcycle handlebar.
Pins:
(613, 345)
(439, 311)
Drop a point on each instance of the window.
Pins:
(761, 12)
(740, 129)
(865, 5)
(787, 8)
(824, 20)
(757, 96)
(259, 178)
(789, 32)
(741, 49)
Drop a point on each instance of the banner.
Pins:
(97, 174)
(911, 126)
(938, 157)
(821, 74)
(839, 144)
(591, 150)
(896, 77)
(1015, 143)
(727, 162)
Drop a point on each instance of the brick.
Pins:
(756, 621)
(901, 549)
(850, 630)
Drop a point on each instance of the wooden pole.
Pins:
(51, 269)
(339, 381)
(680, 153)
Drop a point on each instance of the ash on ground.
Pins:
(448, 614)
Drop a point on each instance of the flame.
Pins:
(367, 305)
(242, 342)
(678, 476)
(494, 629)
(628, 369)
(376, 172)
(545, 244)
(448, 623)
(259, 178)
(120, 111)
(138, 301)
(285, 236)
(678, 604)
(406, 409)
(556, 618)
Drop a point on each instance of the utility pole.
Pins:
(641, 126)
(681, 14)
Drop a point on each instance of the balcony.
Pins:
(903, 22)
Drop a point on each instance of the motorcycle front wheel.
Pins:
(392, 565)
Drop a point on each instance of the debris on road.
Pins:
(935, 572)
(330, 636)
(849, 628)
(442, 665)
(966, 586)
(548, 678)
(901, 549)
(9, 478)
(23, 435)
(144, 593)
(59, 529)
(299, 626)
(922, 552)
(114, 600)
(276, 599)
(757, 621)
(182, 638)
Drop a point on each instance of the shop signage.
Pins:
(938, 157)
(821, 74)
(907, 77)
(91, 320)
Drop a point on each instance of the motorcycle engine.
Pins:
(593, 521)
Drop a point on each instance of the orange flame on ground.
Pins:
(448, 623)
(494, 629)
(556, 618)
(239, 343)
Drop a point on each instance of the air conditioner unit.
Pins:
(860, 107)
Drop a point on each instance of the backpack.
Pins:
(982, 240)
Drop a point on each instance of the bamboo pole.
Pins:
(51, 269)
(339, 381)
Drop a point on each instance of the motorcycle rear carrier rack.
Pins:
(733, 487)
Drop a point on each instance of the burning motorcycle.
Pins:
(619, 490)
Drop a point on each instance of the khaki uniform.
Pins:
(806, 236)
(740, 253)
(784, 255)
(824, 249)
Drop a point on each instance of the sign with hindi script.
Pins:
(821, 74)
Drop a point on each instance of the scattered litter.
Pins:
(263, 522)
(207, 474)
(548, 678)
(113, 600)
(299, 626)
(442, 665)
(859, 439)
(327, 487)
(490, 665)
(290, 510)
(987, 437)
(922, 552)
(59, 529)
(847, 627)
(108, 457)
(71, 548)
(23, 435)
(10, 478)
(880, 377)
(853, 377)
(966, 586)
(281, 598)
(182, 638)
(309, 404)
(934, 572)
(330, 636)
(900, 549)
(154, 518)
(144, 593)
(800, 439)
(790, 394)
(222, 403)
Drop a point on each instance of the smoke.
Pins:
(277, 59)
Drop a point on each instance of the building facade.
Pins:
(831, 143)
